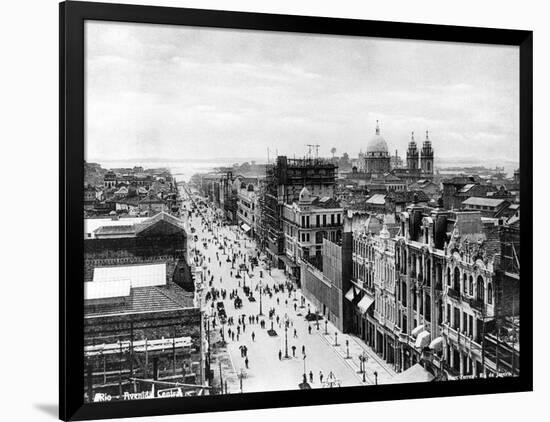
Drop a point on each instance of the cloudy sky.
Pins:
(188, 93)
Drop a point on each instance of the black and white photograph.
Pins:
(271, 211)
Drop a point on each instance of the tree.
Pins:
(333, 151)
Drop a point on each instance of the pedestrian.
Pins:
(303, 349)
(246, 362)
(295, 306)
(309, 329)
(295, 333)
(280, 354)
(253, 335)
(311, 377)
(293, 351)
(277, 300)
(321, 377)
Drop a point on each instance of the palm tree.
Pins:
(333, 151)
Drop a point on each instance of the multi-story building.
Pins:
(325, 281)
(305, 224)
(284, 181)
(246, 209)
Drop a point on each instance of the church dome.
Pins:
(377, 143)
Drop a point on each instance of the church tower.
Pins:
(412, 154)
(427, 157)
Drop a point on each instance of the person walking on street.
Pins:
(246, 362)
(321, 377)
(311, 377)
(295, 333)
(293, 351)
(253, 335)
(280, 354)
(309, 329)
(303, 349)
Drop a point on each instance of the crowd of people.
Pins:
(216, 244)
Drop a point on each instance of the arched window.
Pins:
(465, 284)
(471, 286)
(480, 286)
(456, 283)
(448, 276)
(490, 293)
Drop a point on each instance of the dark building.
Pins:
(159, 239)
(283, 184)
(140, 342)
(325, 283)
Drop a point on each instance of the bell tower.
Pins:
(412, 154)
(427, 157)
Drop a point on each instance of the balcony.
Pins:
(453, 293)
(474, 303)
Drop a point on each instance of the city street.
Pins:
(266, 371)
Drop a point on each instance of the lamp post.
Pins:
(375, 378)
(326, 323)
(305, 376)
(286, 338)
(347, 349)
(336, 338)
(261, 297)
(241, 376)
(363, 359)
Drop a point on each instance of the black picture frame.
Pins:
(72, 16)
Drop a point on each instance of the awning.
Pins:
(423, 340)
(245, 227)
(416, 373)
(436, 344)
(350, 295)
(365, 303)
(417, 330)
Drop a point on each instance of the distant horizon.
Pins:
(168, 91)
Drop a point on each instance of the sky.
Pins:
(174, 92)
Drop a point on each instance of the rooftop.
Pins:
(486, 202)
(136, 275)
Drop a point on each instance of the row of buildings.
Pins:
(423, 268)
(134, 192)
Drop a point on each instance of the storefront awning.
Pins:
(423, 340)
(350, 295)
(245, 227)
(437, 344)
(416, 373)
(417, 330)
(365, 303)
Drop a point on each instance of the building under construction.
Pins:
(284, 181)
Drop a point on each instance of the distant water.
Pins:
(182, 170)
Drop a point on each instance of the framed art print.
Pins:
(267, 210)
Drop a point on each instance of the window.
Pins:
(456, 284)
(332, 219)
(324, 219)
(338, 220)
(317, 220)
(480, 285)
(490, 293)
(448, 314)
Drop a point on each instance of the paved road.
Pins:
(266, 372)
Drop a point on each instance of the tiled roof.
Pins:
(118, 230)
(147, 299)
(377, 199)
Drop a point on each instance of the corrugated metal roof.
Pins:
(138, 275)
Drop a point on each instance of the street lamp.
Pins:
(261, 297)
(336, 338)
(347, 349)
(326, 330)
(375, 378)
(241, 376)
(305, 376)
(363, 359)
(286, 338)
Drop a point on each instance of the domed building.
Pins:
(377, 157)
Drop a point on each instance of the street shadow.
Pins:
(51, 409)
